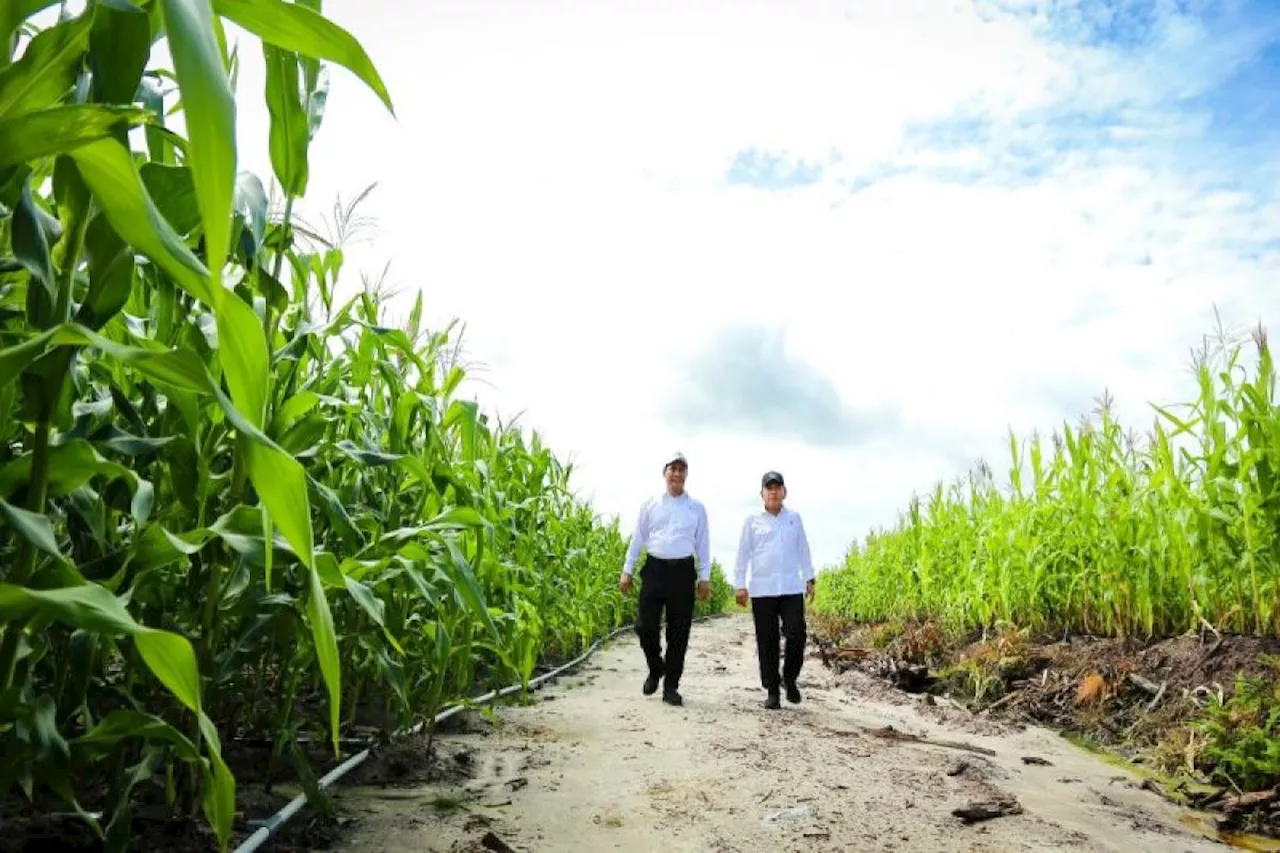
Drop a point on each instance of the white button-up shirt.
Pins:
(776, 549)
(671, 528)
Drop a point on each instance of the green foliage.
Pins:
(231, 502)
(1107, 534)
(721, 593)
(1242, 734)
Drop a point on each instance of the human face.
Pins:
(674, 475)
(774, 495)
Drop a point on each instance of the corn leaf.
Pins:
(210, 113)
(119, 47)
(47, 69)
(60, 130)
(289, 134)
(294, 27)
(93, 608)
(32, 526)
(12, 14)
(109, 172)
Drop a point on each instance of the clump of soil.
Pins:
(411, 761)
(1137, 700)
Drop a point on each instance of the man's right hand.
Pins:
(741, 597)
(625, 584)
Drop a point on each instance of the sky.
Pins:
(855, 241)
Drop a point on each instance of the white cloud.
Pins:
(1035, 218)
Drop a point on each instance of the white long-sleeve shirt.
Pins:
(776, 549)
(670, 528)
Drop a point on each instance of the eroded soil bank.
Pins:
(593, 765)
(1174, 709)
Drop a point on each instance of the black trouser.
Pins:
(669, 584)
(768, 611)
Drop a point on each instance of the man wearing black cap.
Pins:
(672, 529)
(773, 543)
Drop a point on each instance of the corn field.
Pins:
(232, 503)
(1107, 533)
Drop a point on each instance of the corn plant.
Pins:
(1107, 533)
(233, 502)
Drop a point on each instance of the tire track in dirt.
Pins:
(592, 765)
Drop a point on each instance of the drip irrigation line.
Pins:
(270, 825)
(263, 740)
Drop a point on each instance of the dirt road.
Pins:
(593, 765)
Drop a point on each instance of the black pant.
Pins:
(767, 612)
(669, 584)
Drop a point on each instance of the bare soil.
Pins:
(1136, 699)
(593, 765)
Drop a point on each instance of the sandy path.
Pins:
(593, 765)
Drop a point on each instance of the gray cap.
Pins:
(673, 458)
(770, 478)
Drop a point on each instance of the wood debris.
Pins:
(978, 811)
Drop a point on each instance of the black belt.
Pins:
(670, 561)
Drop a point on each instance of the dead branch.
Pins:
(1250, 800)
(1159, 695)
(1148, 687)
(890, 733)
(1003, 700)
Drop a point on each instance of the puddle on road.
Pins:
(1205, 824)
(1200, 822)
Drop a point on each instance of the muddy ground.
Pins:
(592, 765)
(1144, 702)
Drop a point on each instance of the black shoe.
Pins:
(671, 697)
(772, 702)
(651, 685)
(793, 694)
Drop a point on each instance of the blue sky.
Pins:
(853, 241)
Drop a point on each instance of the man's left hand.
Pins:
(808, 590)
(704, 590)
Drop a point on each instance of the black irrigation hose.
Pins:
(271, 824)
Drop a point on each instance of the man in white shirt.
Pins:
(773, 543)
(672, 530)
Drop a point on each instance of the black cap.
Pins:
(771, 477)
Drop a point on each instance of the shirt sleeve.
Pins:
(744, 556)
(702, 544)
(638, 539)
(802, 545)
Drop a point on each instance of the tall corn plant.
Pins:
(141, 311)
(1107, 534)
(231, 502)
